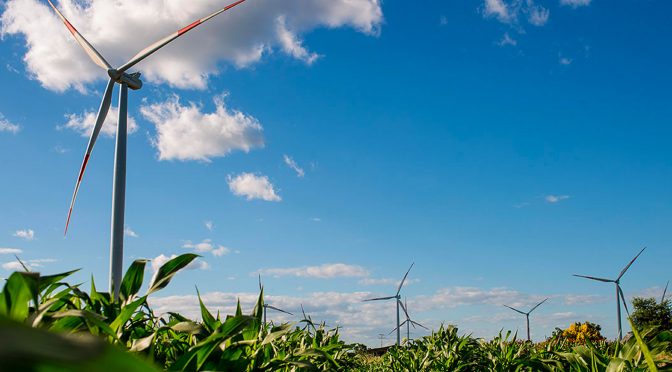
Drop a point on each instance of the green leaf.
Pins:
(208, 320)
(19, 290)
(645, 349)
(168, 270)
(126, 314)
(132, 281)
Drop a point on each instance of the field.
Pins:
(47, 324)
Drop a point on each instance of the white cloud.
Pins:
(388, 281)
(553, 199)
(130, 233)
(498, 9)
(10, 251)
(27, 234)
(83, 123)
(292, 45)
(32, 265)
(292, 164)
(209, 225)
(326, 271)
(160, 260)
(252, 187)
(510, 12)
(207, 246)
(507, 40)
(575, 3)
(443, 20)
(6, 126)
(119, 29)
(538, 15)
(185, 132)
(565, 61)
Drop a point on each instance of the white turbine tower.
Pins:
(398, 297)
(527, 315)
(619, 291)
(126, 80)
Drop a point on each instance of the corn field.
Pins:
(47, 324)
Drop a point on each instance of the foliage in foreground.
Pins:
(47, 324)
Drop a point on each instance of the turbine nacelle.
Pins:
(132, 80)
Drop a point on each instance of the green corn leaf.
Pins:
(208, 320)
(168, 270)
(126, 313)
(20, 288)
(645, 349)
(132, 281)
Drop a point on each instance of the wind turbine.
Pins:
(398, 297)
(662, 299)
(409, 322)
(126, 80)
(619, 291)
(267, 306)
(527, 315)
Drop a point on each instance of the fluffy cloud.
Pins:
(207, 246)
(6, 126)
(27, 234)
(83, 123)
(575, 3)
(209, 225)
(240, 37)
(252, 187)
(32, 265)
(10, 251)
(326, 271)
(565, 61)
(510, 12)
(292, 164)
(553, 199)
(507, 40)
(185, 132)
(130, 233)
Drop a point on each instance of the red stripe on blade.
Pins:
(70, 27)
(67, 222)
(81, 171)
(180, 32)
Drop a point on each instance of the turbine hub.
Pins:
(132, 80)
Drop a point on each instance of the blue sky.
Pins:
(500, 145)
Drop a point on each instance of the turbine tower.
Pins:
(126, 80)
(619, 291)
(398, 297)
(527, 315)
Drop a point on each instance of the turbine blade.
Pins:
(100, 119)
(630, 264)
(539, 304)
(261, 287)
(403, 307)
(381, 298)
(662, 299)
(280, 310)
(404, 279)
(161, 43)
(397, 327)
(25, 268)
(594, 278)
(88, 48)
(625, 303)
(516, 310)
(418, 324)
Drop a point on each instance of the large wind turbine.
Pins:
(409, 322)
(619, 291)
(126, 80)
(527, 315)
(662, 299)
(398, 297)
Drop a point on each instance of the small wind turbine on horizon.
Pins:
(126, 80)
(619, 291)
(662, 299)
(398, 297)
(527, 315)
(267, 306)
(409, 322)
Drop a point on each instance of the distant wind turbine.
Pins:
(126, 80)
(409, 322)
(267, 306)
(527, 315)
(398, 297)
(662, 299)
(619, 291)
